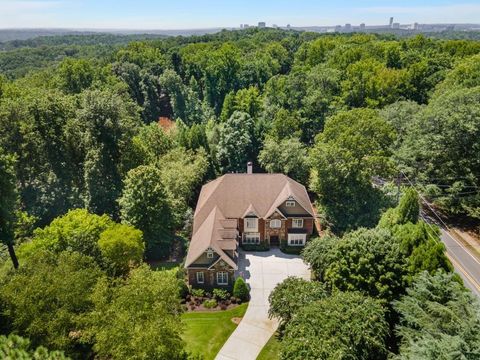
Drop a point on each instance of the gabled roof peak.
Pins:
(250, 211)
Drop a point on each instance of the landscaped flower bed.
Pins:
(216, 300)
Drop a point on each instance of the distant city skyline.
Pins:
(191, 14)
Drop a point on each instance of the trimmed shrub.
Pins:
(210, 304)
(255, 247)
(221, 294)
(292, 250)
(198, 292)
(240, 289)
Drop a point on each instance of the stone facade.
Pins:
(281, 232)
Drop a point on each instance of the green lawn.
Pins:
(271, 351)
(206, 332)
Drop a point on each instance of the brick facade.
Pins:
(210, 277)
(308, 224)
(266, 231)
(261, 229)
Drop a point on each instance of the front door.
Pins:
(274, 240)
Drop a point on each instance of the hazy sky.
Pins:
(182, 14)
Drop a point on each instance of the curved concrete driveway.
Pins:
(262, 271)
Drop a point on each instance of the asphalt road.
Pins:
(464, 262)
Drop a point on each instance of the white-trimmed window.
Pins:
(251, 224)
(222, 278)
(210, 254)
(297, 223)
(275, 224)
(296, 239)
(200, 277)
(251, 238)
(290, 203)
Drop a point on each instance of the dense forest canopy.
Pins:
(106, 142)
(77, 121)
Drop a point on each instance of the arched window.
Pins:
(275, 224)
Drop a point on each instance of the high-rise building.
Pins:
(362, 26)
(391, 21)
(395, 26)
(348, 27)
(262, 24)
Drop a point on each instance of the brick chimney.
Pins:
(249, 167)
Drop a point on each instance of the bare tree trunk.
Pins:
(13, 256)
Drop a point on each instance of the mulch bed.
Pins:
(195, 303)
(202, 308)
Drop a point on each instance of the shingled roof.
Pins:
(233, 196)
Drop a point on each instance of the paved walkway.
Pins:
(262, 271)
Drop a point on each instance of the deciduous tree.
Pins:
(288, 156)
(235, 143)
(47, 297)
(354, 146)
(440, 151)
(122, 248)
(291, 295)
(369, 261)
(78, 230)
(139, 318)
(144, 204)
(342, 326)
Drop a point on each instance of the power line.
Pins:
(425, 201)
(445, 185)
(448, 186)
(423, 183)
(436, 239)
(446, 231)
(454, 194)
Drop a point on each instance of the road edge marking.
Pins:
(458, 266)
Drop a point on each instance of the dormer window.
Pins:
(290, 203)
(210, 254)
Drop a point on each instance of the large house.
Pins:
(248, 209)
